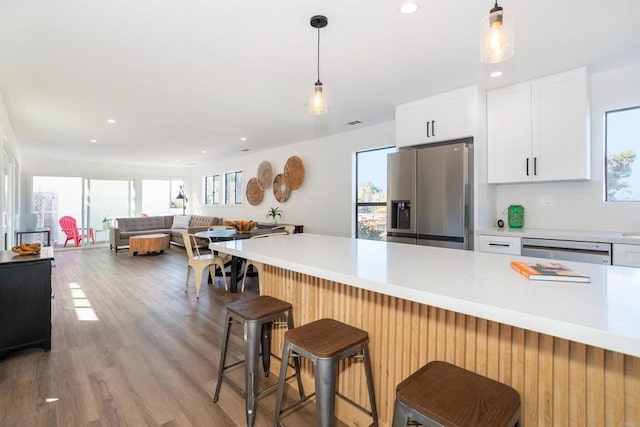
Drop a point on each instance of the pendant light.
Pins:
(497, 36)
(318, 98)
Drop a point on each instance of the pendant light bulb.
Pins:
(318, 96)
(497, 36)
(318, 105)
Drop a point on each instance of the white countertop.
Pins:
(631, 238)
(604, 313)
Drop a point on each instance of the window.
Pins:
(212, 190)
(371, 188)
(622, 145)
(233, 188)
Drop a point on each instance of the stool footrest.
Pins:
(229, 381)
(241, 390)
(296, 404)
(362, 408)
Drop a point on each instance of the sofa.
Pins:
(174, 225)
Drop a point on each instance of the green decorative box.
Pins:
(515, 216)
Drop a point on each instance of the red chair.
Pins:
(69, 226)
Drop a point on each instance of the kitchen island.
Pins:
(572, 350)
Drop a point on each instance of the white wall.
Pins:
(580, 205)
(6, 131)
(324, 202)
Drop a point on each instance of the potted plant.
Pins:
(274, 212)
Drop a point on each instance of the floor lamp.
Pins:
(183, 197)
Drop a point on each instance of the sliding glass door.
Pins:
(54, 197)
(107, 199)
(95, 203)
(89, 201)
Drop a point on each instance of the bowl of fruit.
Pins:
(27, 249)
(243, 227)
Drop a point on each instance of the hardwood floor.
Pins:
(150, 357)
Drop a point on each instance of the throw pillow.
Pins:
(181, 221)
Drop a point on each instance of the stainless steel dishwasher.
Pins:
(569, 250)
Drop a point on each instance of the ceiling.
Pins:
(181, 76)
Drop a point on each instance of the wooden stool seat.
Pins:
(325, 342)
(326, 337)
(258, 308)
(452, 396)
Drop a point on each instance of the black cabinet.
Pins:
(25, 301)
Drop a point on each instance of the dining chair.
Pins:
(69, 226)
(256, 265)
(226, 258)
(198, 262)
(288, 228)
(219, 227)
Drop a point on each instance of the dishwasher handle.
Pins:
(567, 254)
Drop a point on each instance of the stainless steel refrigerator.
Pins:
(430, 195)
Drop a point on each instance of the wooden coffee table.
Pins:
(148, 243)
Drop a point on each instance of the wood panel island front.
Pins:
(572, 350)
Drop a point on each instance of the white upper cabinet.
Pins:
(539, 130)
(509, 133)
(437, 118)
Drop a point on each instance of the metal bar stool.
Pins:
(257, 315)
(325, 342)
(441, 394)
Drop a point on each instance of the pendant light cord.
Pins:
(318, 54)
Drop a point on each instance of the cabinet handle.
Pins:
(504, 245)
(427, 129)
(433, 128)
(535, 166)
(527, 166)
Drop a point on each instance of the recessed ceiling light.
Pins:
(243, 138)
(408, 8)
(93, 141)
(112, 121)
(495, 74)
(204, 151)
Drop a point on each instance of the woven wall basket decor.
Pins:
(254, 192)
(294, 173)
(280, 189)
(265, 175)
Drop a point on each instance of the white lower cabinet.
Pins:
(500, 244)
(626, 255)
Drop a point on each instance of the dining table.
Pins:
(233, 234)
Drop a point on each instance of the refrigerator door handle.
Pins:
(427, 129)
(433, 128)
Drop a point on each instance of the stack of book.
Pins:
(548, 271)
